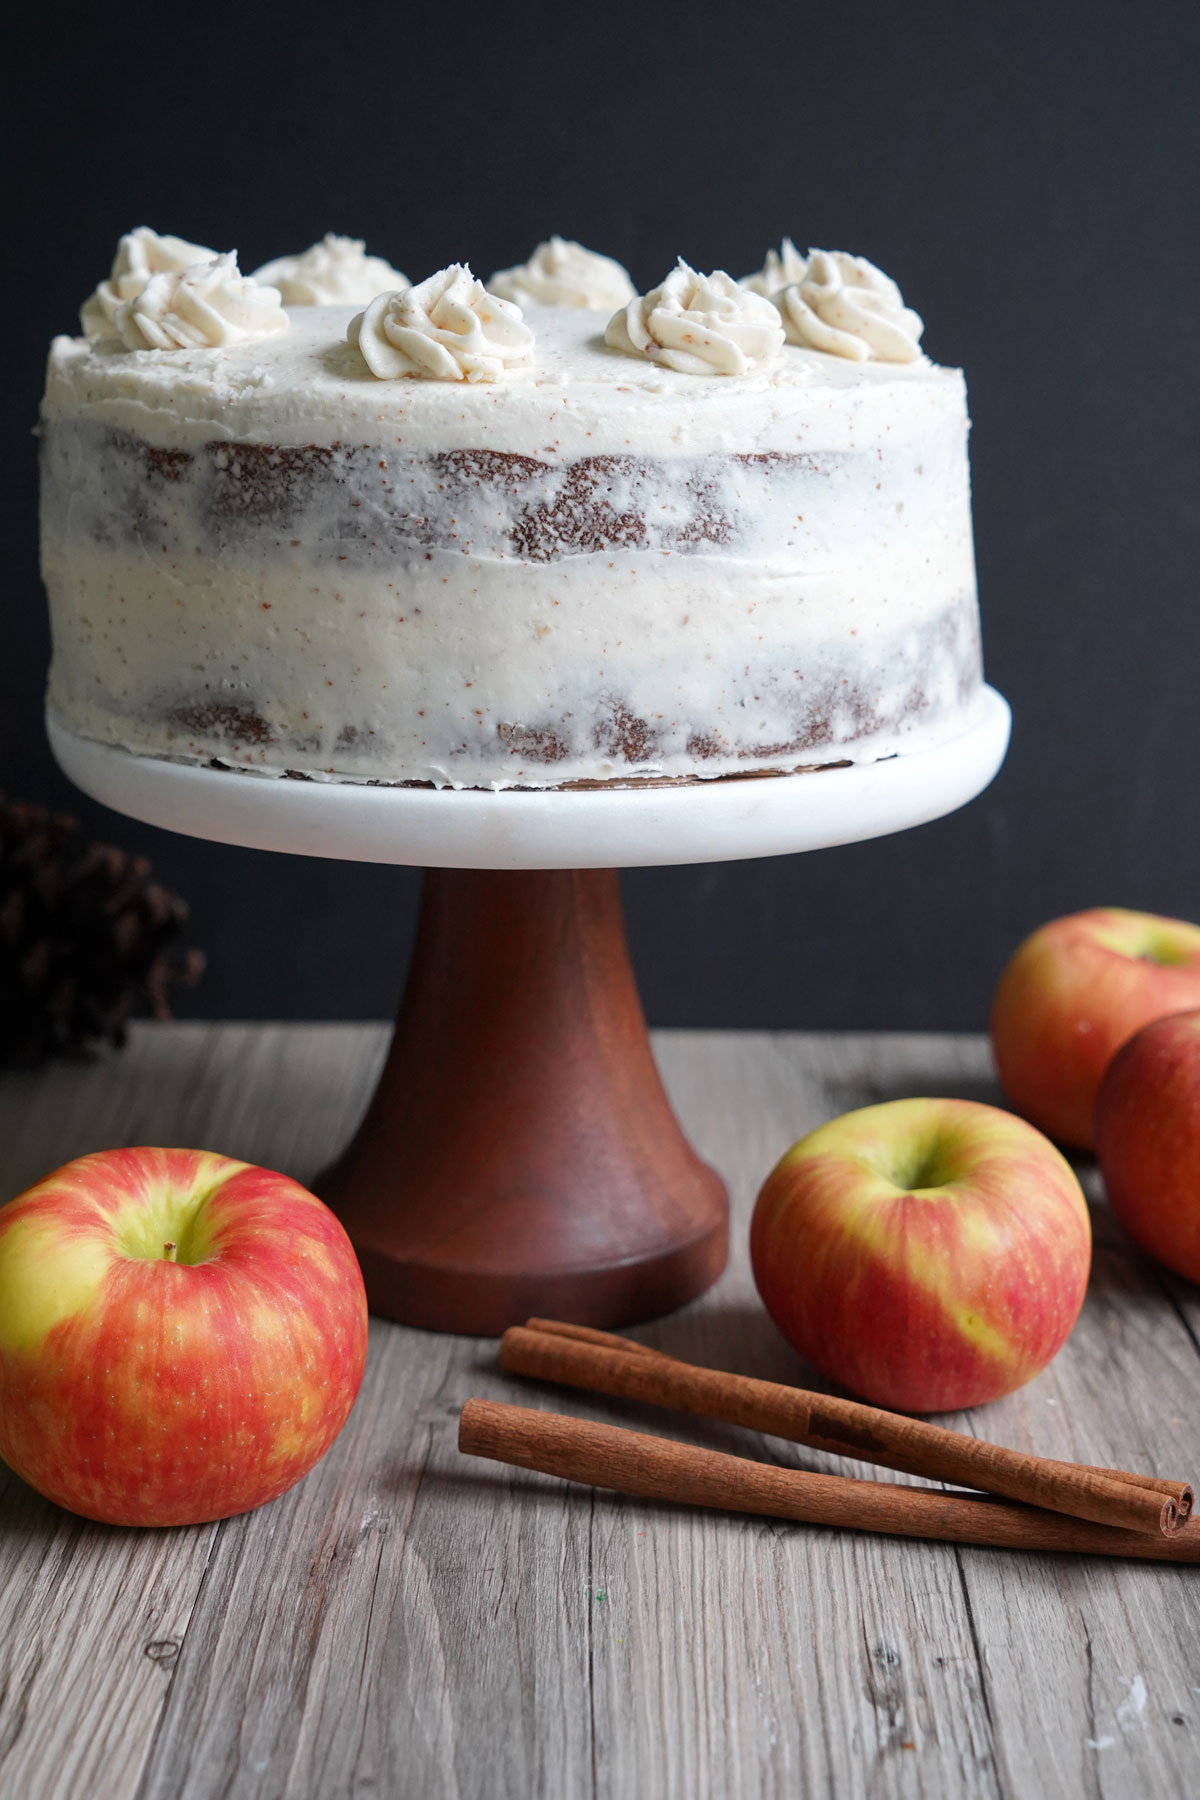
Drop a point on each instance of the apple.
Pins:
(1148, 1139)
(1072, 994)
(181, 1336)
(926, 1254)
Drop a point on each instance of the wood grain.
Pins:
(407, 1623)
(519, 1151)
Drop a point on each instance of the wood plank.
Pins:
(94, 1617)
(1117, 1648)
(1090, 1669)
(92, 1623)
(406, 1622)
(395, 1626)
(409, 1622)
(764, 1658)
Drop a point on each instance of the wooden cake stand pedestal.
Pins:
(519, 1154)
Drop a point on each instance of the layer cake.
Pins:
(603, 564)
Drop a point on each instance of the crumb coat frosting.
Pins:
(578, 396)
(598, 568)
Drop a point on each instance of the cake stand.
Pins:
(519, 1154)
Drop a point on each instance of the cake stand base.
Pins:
(519, 1154)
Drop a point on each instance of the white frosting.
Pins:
(447, 328)
(563, 273)
(699, 325)
(450, 670)
(141, 253)
(598, 567)
(845, 305)
(577, 398)
(335, 272)
(210, 304)
(782, 268)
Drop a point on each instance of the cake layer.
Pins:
(511, 680)
(578, 397)
(594, 571)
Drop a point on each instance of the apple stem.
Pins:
(170, 1250)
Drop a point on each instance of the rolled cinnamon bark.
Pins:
(602, 1362)
(651, 1468)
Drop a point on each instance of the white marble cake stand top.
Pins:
(466, 828)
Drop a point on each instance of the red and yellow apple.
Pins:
(1072, 994)
(1148, 1139)
(181, 1336)
(926, 1254)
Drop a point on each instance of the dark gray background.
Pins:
(1028, 173)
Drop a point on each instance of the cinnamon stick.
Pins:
(1179, 1491)
(651, 1468)
(611, 1365)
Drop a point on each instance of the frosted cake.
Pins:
(532, 533)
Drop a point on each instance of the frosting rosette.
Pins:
(447, 328)
(200, 308)
(782, 268)
(845, 305)
(699, 324)
(564, 273)
(335, 272)
(141, 254)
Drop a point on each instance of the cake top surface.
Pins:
(577, 396)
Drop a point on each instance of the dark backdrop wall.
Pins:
(1027, 172)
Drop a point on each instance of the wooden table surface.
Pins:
(408, 1622)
